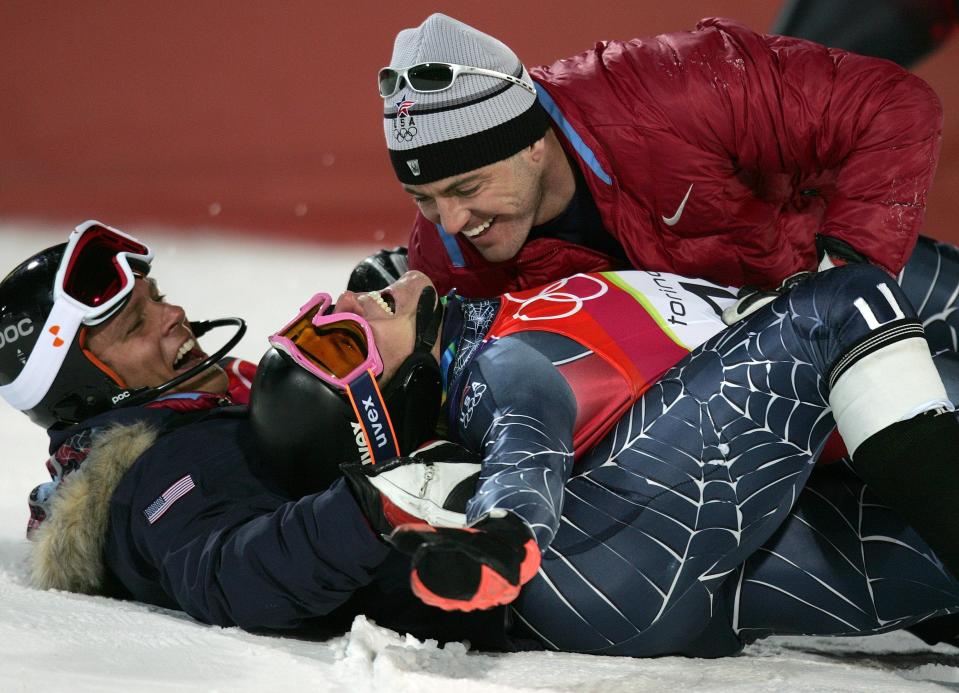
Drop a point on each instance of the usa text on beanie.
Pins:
(479, 120)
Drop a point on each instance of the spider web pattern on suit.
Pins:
(692, 482)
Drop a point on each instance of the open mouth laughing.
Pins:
(478, 230)
(187, 355)
(384, 300)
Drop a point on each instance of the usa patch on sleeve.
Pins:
(155, 510)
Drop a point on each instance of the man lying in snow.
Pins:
(633, 498)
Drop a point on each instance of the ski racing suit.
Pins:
(671, 491)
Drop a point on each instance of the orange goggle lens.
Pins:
(337, 348)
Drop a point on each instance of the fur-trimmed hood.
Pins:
(67, 553)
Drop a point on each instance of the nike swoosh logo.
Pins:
(673, 220)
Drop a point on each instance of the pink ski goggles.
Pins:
(336, 348)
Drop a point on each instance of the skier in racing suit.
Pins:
(653, 508)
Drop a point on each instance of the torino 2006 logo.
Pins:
(559, 299)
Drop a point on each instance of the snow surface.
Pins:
(55, 641)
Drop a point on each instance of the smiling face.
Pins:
(495, 206)
(391, 314)
(149, 342)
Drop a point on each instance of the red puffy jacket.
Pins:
(721, 153)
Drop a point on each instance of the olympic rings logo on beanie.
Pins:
(478, 120)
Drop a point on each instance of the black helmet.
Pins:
(304, 428)
(80, 388)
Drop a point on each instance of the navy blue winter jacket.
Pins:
(176, 509)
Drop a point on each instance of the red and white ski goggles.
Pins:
(93, 282)
(338, 349)
(98, 269)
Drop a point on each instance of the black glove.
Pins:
(432, 485)
(379, 270)
(475, 567)
(750, 299)
(834, 252)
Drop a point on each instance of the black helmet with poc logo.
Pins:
(79, 389)
(46, 304)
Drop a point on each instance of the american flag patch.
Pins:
(156, 509)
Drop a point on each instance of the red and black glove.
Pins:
(432, 485)
(476, 567)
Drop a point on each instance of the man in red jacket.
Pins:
(720, 153)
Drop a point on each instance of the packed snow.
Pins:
(54, 641)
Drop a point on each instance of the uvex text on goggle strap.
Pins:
(93, 281)
(428, 78)
(338, 348)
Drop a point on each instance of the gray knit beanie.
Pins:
(478, 121)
